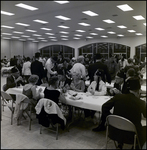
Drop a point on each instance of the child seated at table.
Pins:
(97, 87)
(77, 84)
(30, 90)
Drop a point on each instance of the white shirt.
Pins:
(26, 69)
(79, 68)
(102, 88)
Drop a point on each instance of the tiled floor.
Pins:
(80, 135)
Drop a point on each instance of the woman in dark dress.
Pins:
(51, 91)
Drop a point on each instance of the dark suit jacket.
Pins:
(37, 69)
(127, 106)
(99, 65)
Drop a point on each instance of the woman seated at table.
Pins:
(97, 87)
(30, 90)
(51, 91)
(77, 84)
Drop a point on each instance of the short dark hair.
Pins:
(28, 58)
(14, 70)
(37, 55)
(133, 84)
(53, 80)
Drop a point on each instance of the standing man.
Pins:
(99, 65)
(37, 68)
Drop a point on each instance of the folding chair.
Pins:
(121, 130)
(6, 98)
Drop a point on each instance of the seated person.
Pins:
(77, 84)
(97, 87)
(14, 79)
(30, 90)
(51, 91)
(119, 80)
(129, 106)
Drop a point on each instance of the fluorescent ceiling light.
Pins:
(78, 35)
(110, 32)
(30, 39)
(40, 21)
(7, 13)
(80, 31)
(63, 39)
(125, 7)
(104, 36)
(61, 26)
(22, 24)
(40, 38)
(36, 35)
(76, 38)
(6, 38)
(31, 30)
(122, 27)
(62, 2)
(45, 29)
(138, 33)
(15, 37)
(93, 33)
(64, 32)
(89, 37)
(7, 27)
(22, 39)
(26, 6)
(108, 21)
(139, 17)
(120, 35)
(64, 36)
(25, 36)
(84, 24)
(51, 37)
(99, 29)
(17, 32)
(44, 40)
(35, 41)
(50, 33)
(6, 33)
(131, 31)
(62, 17)
(144, 24)
(90, 13)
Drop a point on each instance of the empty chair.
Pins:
(121, 130)
(49, 115)
(6, 98)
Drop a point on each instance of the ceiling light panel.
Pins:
(89, 37)
(44, 40)
(15, 37)
(138, 33)
(125, 7)
(64, 39)
(40, 38)
(62, 17)
(7, 13)
(121, 26)
(64, 32)
(50, 33)
(78, 35)
(65, 27)
(139, 17)
(76, 38)
(40, 21)
(31, 30)
(80, 31)
(93, 33)
(9, 27)
(120, 35)
(6, 38)
(100, 29)
(62, 2)
(22, 24)
(45, 29)
(108, 21)
(30, 39)
(63, 36)
(25, 36)
(84, 24)
(131, 31)
(90, 13)
(104, 36)
(6, 33)
(111, 32)
(36, 35)
(51, 37)
(17, 32)
(26, 6)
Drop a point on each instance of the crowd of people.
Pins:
(64, 73)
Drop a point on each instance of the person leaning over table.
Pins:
(77, 84)
(30, 90)
(129, 106)
(51, 91)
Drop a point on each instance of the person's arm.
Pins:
(102, 92)
(62, 98)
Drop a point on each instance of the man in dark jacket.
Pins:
(99, 65)
(37, 68)
(129, 106)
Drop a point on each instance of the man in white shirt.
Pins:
(79, 67)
